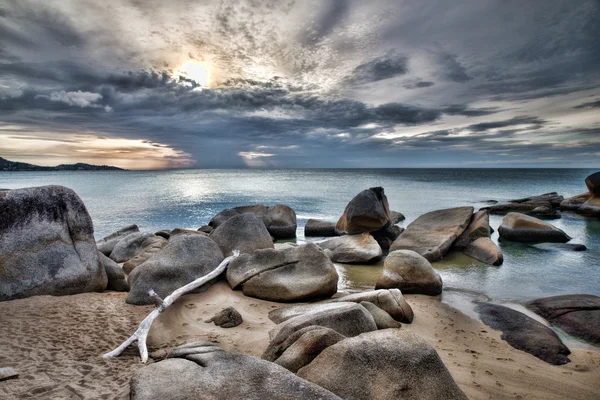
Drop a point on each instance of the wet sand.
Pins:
(56, 344)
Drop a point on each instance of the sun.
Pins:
(195, 71)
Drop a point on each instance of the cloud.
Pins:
(591, 104)
(380, 68)
(78, 98)
(452, 69)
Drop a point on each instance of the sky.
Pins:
(157, 84)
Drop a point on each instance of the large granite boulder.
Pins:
(353, 249)
(382, 319)
(526, 229)
(383, 365)
(591, 207)
(317, 227)
(432, 234)
(484, 250)
(411, 273)
(593, 183)
(390, 300)
(127, 247)
(114, 273)
(280, 219)
(184, 259)
(282, 314)
(107, 244)
(525, 333)
(149, 246)
(478, 228)
(576, 314)
(298, 273)
(244, 232)
(47, 244)
(201, 370)
(368, 211)
(575, 202)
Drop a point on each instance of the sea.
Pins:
(156, 200)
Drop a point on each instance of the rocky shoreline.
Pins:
(321, 343)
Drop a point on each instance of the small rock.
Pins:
(7, 373)
(226, 318)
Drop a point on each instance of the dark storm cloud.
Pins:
(591, 104)
(522, 120)
(377, 69)
(418, 84)
(452, 69)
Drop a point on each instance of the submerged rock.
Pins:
(484, 250)
(202, 370)
(576, 314)
(244, 232)
(107, 244)
(525, 333)
(317, 227)
(184, 259)
(227, 318)
(560, 246)
(411, 273)
(383, 365)
(115, 274)
(526, 229)
(361, 249)
(432, 234)
(368, 211)
(290, 274)
(280, 220)
(47, 244)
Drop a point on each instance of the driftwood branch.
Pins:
(141, 333)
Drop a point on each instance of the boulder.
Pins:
(306, 344)
(383, 320)
(390, 300)
(150, 246)
(114, 273)
(553, 198)
(206, 229)
(317, 227)
(573, 203)
(47, 244)
(350, 320)
(396, 217)
(282, 314)
(107, 244)
(368, 211)
(576, 314)
(484, 250)
(593, 183)
(526, 207)
(432, 234)
(182, 231)
(382, 365)
(202, 370)
(244, 232)
(527, 229)
(184, 259)
(479, 227)
(411, 273)
(353, 249)
(227, 318)
(280, 219)
(127, 247)
(591, 207)
(386, 236)
(525, 333)
(165, 233)
(290, 274)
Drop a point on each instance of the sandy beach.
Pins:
(56, 344)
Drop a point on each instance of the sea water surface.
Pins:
(158, 200)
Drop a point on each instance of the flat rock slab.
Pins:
(7, 373)
(432, 234)
(362, 249)
(525, 333)
(576, 314)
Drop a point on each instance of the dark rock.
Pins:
(206, 229)
(591, 207)
(484, 250)
(479, 227)
(544, 212)
(115, 274)
(184, 259)
(526, 229)
(244, 232)
(357, 249)
(280, 220)
(127, 247)
(390, 300)
(47, 244)
(201, 370)
(382, 365)
(593, 183)
(165, 233)
(525, 333)
(396, 217)
(368, 211)
(7, 373)
(383, 320)
(560, 246)
(386, 236)
(432, 234)
(150, 246)
(298, 273)
(107, 244)
(182, 231)
(227, 318)
(553, 198)
(573, 203)
(526, 208)
(411, 273)
(576, 314)
(317, 227)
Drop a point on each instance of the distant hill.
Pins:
(6, 165)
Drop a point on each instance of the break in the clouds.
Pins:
(273, 83)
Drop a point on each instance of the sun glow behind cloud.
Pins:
(196, 71)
